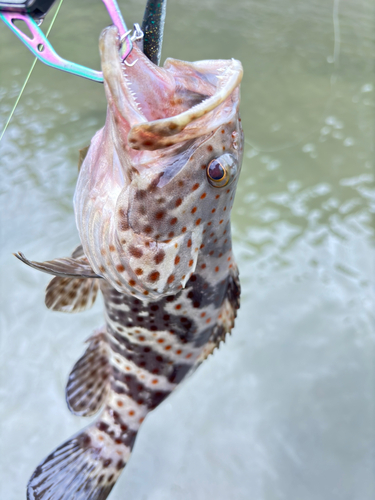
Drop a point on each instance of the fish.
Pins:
(152, 206)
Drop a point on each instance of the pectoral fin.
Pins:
(66, 266)
(71, 294)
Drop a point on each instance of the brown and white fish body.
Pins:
(152, 205)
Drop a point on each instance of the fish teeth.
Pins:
(131, 92)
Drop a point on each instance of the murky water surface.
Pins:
(285, 409)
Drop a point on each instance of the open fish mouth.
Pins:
(155, 107)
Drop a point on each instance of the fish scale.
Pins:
(156, 240)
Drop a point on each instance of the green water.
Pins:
(285, 409)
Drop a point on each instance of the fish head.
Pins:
(177, 142)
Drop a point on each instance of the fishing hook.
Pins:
(136, 37)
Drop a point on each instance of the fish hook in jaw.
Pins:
(130, 65)
(136, 37)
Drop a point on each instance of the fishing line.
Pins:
(29, 74)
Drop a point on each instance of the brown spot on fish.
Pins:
(194, 209)
(209, 148)
(195, 187)
(120, 465)
(183, 230)
(154, 276)
(141, 194)
(178, 202)
(120, 268)
(203, 196)
(131, 282)
(139, 271)
(173, 221)
(171, 234)
(189, 243)
(159, 257)
(135, 252)
(159, 215)
(197, 222)
(170, 279)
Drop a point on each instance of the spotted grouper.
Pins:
(152, 206)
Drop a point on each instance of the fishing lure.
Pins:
(152, 207)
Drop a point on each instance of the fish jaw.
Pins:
(154, 107)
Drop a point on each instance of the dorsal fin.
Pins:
(88, 382)
(66, 266)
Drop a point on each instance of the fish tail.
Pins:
(87, 466)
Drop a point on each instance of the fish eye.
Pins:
(221, 171)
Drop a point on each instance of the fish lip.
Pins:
(144, 131)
